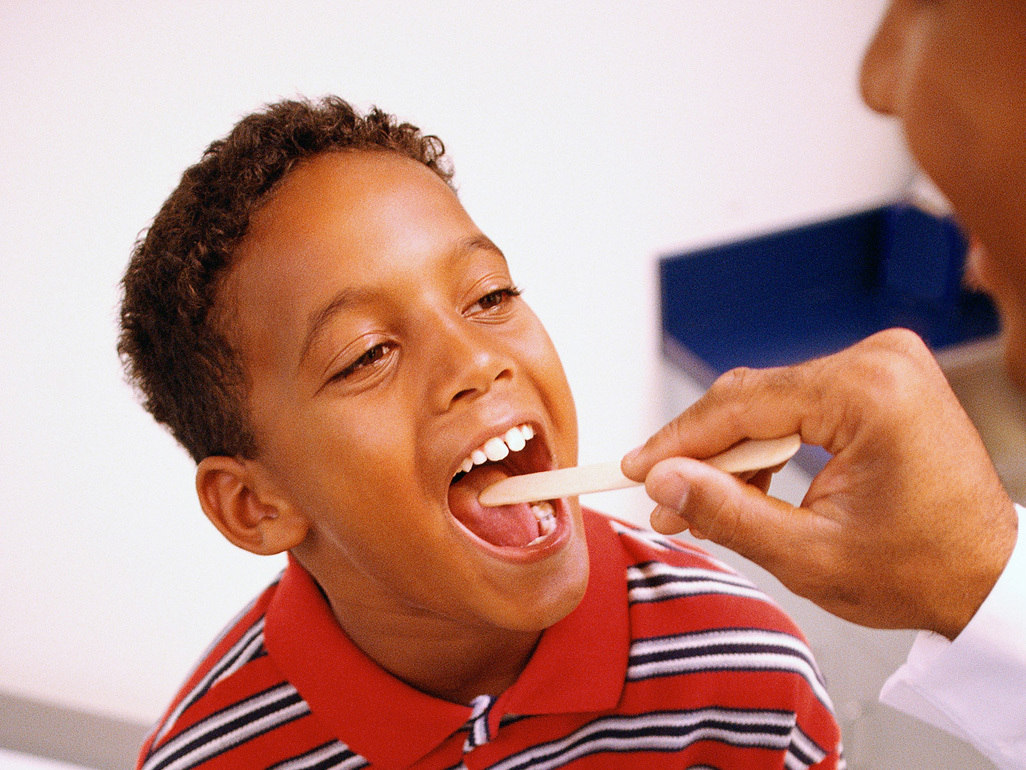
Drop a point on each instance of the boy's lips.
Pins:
(523, 526)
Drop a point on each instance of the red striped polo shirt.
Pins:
(671, 660)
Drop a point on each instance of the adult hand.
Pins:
(907, 525)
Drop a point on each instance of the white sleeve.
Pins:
(975, 686)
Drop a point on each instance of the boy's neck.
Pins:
(433, 653)
(437, 657)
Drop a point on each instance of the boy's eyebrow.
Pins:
(479, 242)
(353, 296)
(340, 301)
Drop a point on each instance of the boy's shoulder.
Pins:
(659, 566)
(638, 540)
(233, 696)
(682, 596)
(703, 633)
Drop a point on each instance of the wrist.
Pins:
(974, 579)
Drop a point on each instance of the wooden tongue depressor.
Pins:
(751, 455)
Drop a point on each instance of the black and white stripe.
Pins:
(226, 729)
(334, 756)
(663, 543)
(477, 724)
(803, 752)
(249, 647)
(647, 537)
(666, 731)
(729, 649)
(656, 581)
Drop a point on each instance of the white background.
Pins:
(589, 138)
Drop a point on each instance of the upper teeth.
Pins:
(499, 447)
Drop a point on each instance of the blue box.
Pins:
(788, 296)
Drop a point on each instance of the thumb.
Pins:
(717, 506)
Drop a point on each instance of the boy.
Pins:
(345, 355)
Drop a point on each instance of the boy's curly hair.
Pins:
(173, 343)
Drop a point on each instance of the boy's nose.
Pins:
(467, 362)
(882, 61)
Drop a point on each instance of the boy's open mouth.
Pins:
(508, 526)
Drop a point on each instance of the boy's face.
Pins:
(954, 73)
(385, 344)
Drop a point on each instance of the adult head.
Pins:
(953, 72)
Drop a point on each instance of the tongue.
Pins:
(506, 525)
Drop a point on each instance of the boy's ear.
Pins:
(244, 510)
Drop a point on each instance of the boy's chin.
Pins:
(534, 614)
(544, 589)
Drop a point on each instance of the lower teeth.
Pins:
(546, 517)
(542, 510)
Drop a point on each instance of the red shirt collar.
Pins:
(579, 664)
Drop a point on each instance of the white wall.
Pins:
(588, 137)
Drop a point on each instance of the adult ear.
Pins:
(244, 509)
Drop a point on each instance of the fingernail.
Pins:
(631, 457)
(667, 520)
(667, 487)
(682, 500)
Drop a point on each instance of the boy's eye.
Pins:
(371, 357)
(495, 298)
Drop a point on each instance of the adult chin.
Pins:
(1015, 355)
(984, 273)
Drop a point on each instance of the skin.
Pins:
(383, 341)
(908, 525)
(954, 75)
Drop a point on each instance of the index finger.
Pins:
(742, 404)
